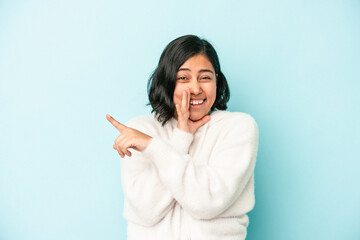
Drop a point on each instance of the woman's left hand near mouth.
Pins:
(128, 138)
(183, 113)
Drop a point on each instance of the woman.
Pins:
(191, 174)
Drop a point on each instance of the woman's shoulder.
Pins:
(140, 119)
(145, 123)
(233, 123)
(227, 117)
(146, 118)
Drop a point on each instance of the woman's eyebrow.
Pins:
(200, 71)
(205, 70)
(184, 69)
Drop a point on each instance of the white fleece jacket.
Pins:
(185, 186)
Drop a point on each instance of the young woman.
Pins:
(188, 168)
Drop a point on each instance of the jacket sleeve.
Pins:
(208, 190)
(147, 200)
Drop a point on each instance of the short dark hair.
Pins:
(161, 84)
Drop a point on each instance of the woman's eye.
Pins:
(206, 78)
(181, 78)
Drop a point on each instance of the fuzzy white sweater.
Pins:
(185, 186)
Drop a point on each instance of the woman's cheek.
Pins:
(178, 93)
(177, 97)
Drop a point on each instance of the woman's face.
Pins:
(197, 74)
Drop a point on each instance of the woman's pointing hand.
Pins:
(128, 138)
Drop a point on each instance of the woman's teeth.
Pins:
(196, 102)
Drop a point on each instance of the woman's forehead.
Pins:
(197, 63)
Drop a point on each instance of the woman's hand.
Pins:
(183, 115)
(129, 138)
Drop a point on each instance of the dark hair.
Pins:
(161, 84)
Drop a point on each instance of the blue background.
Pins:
(293, 65)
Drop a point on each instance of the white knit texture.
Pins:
(185, 186)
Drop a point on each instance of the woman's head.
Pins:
(188, 62)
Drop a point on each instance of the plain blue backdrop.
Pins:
(293, 65)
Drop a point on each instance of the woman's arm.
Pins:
(207, 191)
(147, 200)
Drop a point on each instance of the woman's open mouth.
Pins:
(198, 103)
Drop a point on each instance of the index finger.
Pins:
(185, 101)
(115, 123)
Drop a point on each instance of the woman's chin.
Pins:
(196, 116)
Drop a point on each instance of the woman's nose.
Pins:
(195, 87)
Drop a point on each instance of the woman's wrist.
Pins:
(181, 140)
(184, 128)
